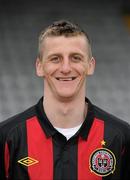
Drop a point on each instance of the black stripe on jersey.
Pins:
(65, 157)
(114, 136)
(18, 150)
(11, 131)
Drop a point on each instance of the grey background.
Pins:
(20, 25)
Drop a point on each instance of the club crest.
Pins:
(102, 162)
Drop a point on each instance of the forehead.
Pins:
(61, 43)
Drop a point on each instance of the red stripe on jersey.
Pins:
(40, 149)
(85, 149)
(6, 157)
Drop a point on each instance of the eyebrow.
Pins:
(55, 54)
(78, 54)
(60, 54)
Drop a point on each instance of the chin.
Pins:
(66, 96)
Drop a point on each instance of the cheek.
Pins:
(49, 69)
(81, 69)
(86, 68)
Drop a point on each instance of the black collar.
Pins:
(50, 130)
(86, 126)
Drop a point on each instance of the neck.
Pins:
(65, 114)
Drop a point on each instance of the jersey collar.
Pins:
(51, 131)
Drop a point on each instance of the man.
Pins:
(64, 136)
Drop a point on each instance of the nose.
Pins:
(65, 66)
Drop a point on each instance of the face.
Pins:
(65, 64)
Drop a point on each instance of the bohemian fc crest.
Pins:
(102, 162)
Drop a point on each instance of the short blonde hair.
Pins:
(62, 28)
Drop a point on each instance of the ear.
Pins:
(91, 66)
(39, 68)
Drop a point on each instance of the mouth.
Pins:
(65, 78)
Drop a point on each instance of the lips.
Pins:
(65, 78)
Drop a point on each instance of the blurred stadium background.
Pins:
(108, 25)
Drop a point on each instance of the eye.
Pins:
(55, 59)
(76, 58)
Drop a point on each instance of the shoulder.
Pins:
(13, 122)
(109, 118)
(112, 123)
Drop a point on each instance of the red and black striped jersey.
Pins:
(32, 149)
